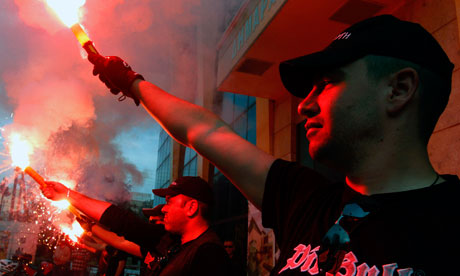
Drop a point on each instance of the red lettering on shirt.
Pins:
(148, 259)
(306, 258)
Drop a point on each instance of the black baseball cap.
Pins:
(153, 212)
(192, 186)
(383, 35)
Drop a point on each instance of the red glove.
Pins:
(116, 74)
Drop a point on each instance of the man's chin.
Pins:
(320, 153)
(316, 151)
(326, 156)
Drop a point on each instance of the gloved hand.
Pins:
(116, 74)
(85, 223)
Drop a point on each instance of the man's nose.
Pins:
(309, 106)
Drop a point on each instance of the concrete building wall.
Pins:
(285, 120)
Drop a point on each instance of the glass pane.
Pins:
(186, 170)
(241, 104)
(193, 171)
(240, 126)
(252, 125)
(251, 101)
(227, 107)
(187, 155)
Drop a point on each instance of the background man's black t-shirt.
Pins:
(204, 255)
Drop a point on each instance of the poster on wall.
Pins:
(262, 251)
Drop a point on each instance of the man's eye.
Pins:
(323, 83)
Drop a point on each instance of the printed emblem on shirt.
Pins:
(344, 35)
(305, 259)
(148, 259)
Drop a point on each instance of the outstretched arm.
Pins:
(120, 267)
(191, 125)
(245, 165)
(93, 208)
(116, 241)
(91, 241)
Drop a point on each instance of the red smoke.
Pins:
(67, 114)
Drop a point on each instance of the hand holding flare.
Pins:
(54, 191)
(119, 76)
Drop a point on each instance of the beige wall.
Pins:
(440, 18)
(277, 135)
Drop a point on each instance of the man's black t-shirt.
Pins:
(406, 233)
(204, 255)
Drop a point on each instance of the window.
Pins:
(190, 160)
(163, 171)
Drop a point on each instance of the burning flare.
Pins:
(20, 151)
(68, 12)
(74, 231)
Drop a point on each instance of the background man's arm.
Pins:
(116, 241)
(120, 267)
(92, 241)
(193, 126)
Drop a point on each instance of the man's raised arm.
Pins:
(243, 163)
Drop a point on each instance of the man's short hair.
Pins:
(205, 208)
(205, 211)
(433, 90)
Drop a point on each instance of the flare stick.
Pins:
(38, 178)
(74, 211)
(83, 38)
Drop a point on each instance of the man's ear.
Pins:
(192, 207)
(403, 85)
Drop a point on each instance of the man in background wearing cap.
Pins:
(371, 100)
(188, 247)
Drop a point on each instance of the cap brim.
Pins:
(148, 212)
(297, 74)
(164, 192)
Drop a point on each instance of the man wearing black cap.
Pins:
(371, 100)
(188, 247)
